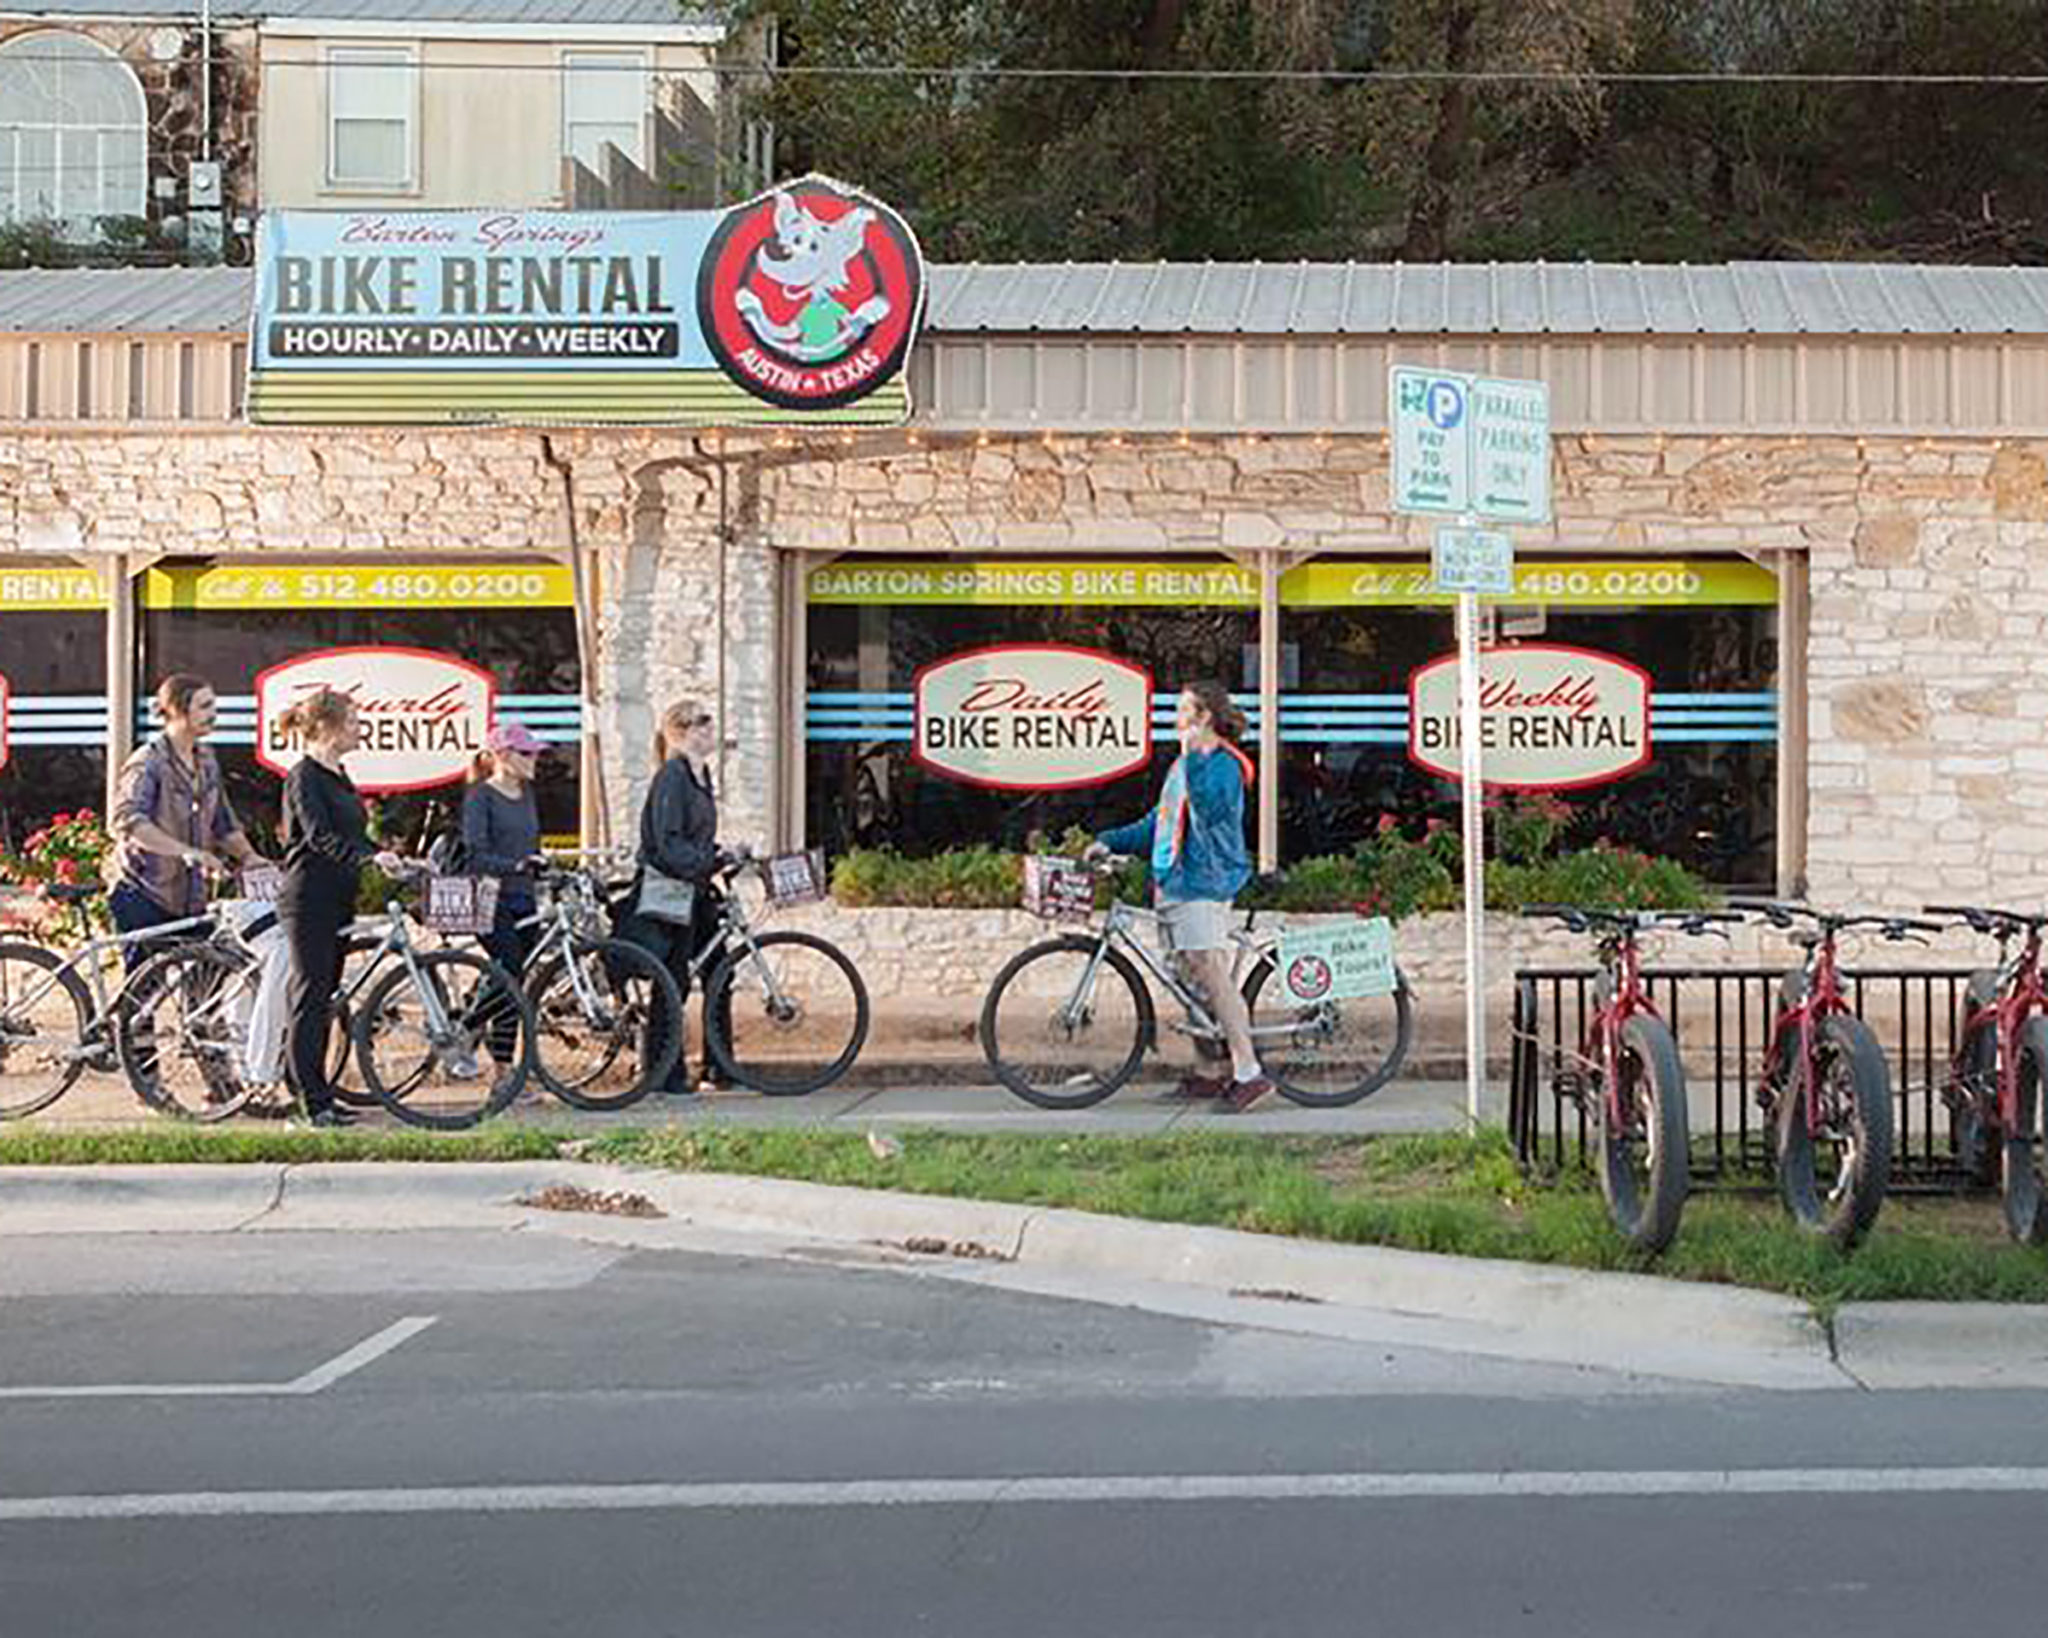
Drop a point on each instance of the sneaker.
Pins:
(333, 1116)
(1242, 1095)
(1199, 1088)
(462, 1066)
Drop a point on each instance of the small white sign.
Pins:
(1339, 962)
(1473, 560)
(1033, 717)
(1510, 450)
(1432, 440)
(1552, 717)
(424, 715)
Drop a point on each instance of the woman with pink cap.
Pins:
(501, 838)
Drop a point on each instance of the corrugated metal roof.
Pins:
(1492, 298)
(1230, 298)
(661, 13)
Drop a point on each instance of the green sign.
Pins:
(1470, 444)
(1338, 962)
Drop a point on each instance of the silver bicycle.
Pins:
(1069, 1020)
(59, 1010)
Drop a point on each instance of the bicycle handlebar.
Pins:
(1984, 919)
(1585, 919)
(1781, 914)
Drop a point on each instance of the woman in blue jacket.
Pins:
(1195, 841)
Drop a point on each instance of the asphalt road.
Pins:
(477, 1433)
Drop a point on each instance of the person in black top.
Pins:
(326, 843)
(679, 838)
(501, 838)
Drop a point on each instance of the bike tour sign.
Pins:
(424, 714)
(1344, 961)
(1551, 717)
(801, 304)
(1032, 717)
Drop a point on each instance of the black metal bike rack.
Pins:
(1722, 1018)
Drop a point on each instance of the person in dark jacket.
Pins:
(501, 838)
(326, 844)
(679, 838)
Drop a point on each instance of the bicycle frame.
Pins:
(1118, 931)
(1621, 959)
(1802, 1021)
(396, 940)
(87, 962)
(2021, 994)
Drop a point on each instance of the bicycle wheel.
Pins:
(1327, 1054)
(181, 1030)
(434, 1050)
(607, 1024)
(46, 1027)
(787, 1016)
(1976, 1088)
(1066, 1022)
(1834, 1184)
(1645, 1162)
(2026, 1171)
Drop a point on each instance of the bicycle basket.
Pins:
(795, 878)
(460, 904)
(1058, 889)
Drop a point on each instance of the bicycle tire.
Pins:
(1976, 1156)
(1841, 1212)
(2026, 1159)
(659, 1032)
(343, 1078)
(1096, 1087)
(189, 979)
(406, 1095)
(769, 1077)
(20, 1032)
(1647, 1211)
(1290, 1078)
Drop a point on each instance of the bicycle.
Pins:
(596, 999)
(1826, 1087)
(1085, 997)
(57, 1011)
(1997, 1083)
(785, 1012)
(1628, 1075)
(423, 1018)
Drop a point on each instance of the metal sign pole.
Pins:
(1471, 792)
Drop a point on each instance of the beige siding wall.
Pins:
(488, 112)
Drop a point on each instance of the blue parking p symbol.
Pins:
(1446, 404)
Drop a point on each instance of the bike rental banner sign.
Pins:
(799, 305)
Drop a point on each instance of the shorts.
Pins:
(1189, 925)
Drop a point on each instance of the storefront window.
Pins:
(53, 657)
(230, 622)
(1704, 629)
(874, 623)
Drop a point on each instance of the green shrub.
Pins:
(1597, 877)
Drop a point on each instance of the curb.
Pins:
(1618, 1322)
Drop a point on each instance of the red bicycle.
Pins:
(1997, 1086)
(1628, 1075)
(1827, 1087)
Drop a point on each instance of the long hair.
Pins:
(678, 719)
(318, 714)
(1224, 716)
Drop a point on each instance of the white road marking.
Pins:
(366, 1352)
(1226, 1487)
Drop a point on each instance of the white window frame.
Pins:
(372, 55)
(100, 55)
(567, 64)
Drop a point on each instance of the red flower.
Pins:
(1388, 824)
(34, 843)
(67, 871)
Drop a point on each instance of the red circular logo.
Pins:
(808, 296)
(1308, 977)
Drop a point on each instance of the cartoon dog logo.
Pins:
(809, 294)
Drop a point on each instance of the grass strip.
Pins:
(1442, 1193)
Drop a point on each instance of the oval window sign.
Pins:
(1033, 717)
(424, 715)
(1552, 717)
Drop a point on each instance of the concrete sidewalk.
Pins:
(1629, 1322)
(1138, 1110)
